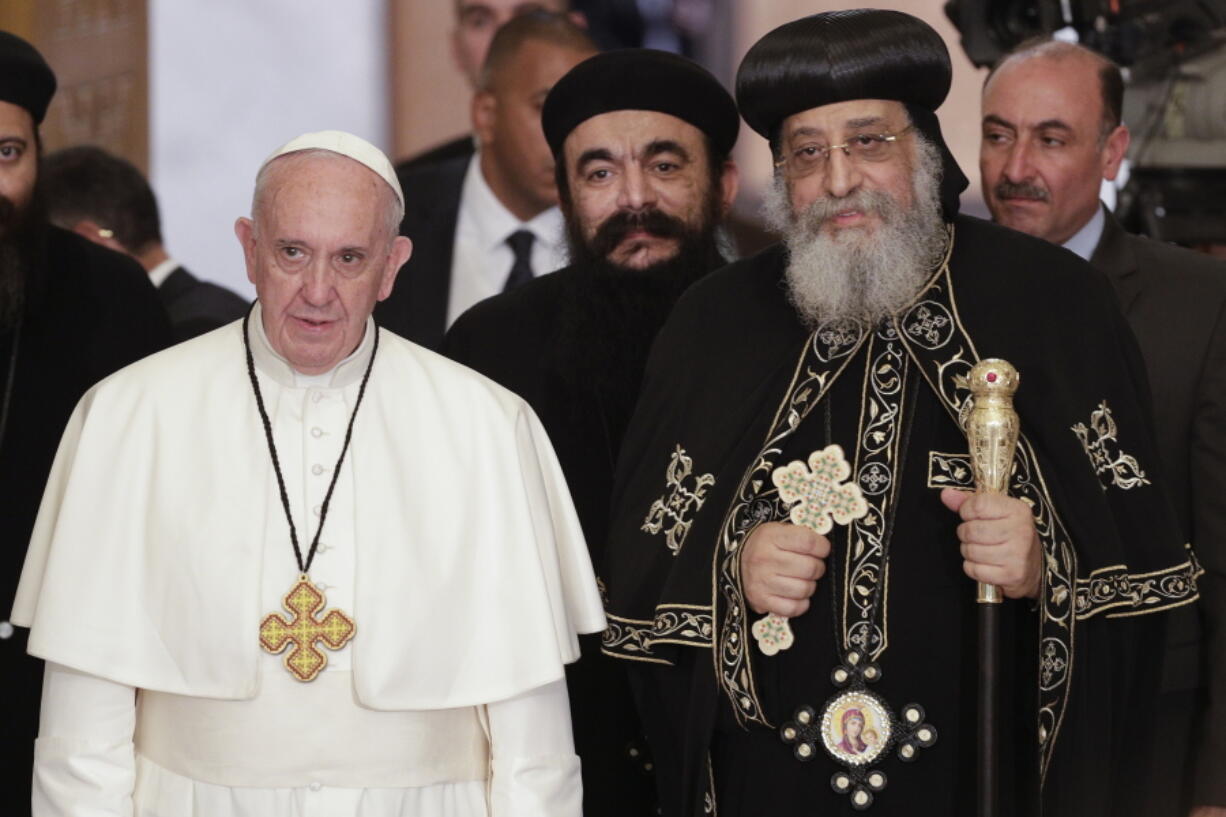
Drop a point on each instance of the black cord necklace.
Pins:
(304, 599)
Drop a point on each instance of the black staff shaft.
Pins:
(989, 710)
(992, 430)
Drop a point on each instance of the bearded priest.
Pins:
(299, 565)
(798, 449)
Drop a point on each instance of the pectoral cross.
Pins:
(819, 499)
(305, 660)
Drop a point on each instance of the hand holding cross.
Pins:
(781, 563)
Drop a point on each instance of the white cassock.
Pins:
(161, 544)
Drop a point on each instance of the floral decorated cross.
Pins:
(818, 493)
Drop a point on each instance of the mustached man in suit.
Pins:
(106, 199)
(485, 224)
(1051, 134)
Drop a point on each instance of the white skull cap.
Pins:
(348, 145)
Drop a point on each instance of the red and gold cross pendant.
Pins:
(305, 660)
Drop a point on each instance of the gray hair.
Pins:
(845, 278)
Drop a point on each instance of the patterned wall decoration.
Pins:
(99, 51)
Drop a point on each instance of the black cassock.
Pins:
(89, 312)
(736, 387)
(512, 338)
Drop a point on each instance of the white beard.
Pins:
(856, 275)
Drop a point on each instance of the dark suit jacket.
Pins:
(1175, 302)
(417, 307)
(196, 306)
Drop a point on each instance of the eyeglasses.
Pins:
(863, 147)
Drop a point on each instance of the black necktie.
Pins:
(521, 270)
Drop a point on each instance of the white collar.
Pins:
(161, 272)
(268, 361)
(492, 222)
(1085, 240)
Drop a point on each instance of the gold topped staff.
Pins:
(991, 433)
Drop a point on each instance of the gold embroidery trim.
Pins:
(687, 625)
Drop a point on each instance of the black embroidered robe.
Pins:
(737, 386)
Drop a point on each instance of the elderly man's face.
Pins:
(515, 158)
(18, 162)
(840, 177)
(1043, 156)
(321, 253)
(648, 173)
(476, 22)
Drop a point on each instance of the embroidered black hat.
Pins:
(25, 78)
(838, 56)
(640, 79)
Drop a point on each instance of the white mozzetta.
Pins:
(151, 561)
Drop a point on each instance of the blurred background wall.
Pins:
(231, 80)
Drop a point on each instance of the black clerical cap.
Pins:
(838, 56)
(25, 78)
(640, 79)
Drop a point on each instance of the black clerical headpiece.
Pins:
(640, 79)
(839, 56)
(25, 78)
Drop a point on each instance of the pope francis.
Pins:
(300, 566)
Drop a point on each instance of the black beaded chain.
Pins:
(303, 567)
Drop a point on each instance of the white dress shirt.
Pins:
(1085, 240)
(161, 272)
(481, 259)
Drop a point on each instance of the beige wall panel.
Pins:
(430, 98)
(959, 115)
(99, 51)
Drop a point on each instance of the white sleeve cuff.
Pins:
(534, 768)
(84, 760)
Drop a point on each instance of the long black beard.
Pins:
(23, 235)
(610, 314)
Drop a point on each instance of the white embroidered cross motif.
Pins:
(1112, 465)
(673, 513)
(927, 324)
(819, 497)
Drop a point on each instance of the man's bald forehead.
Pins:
(298, 167)
(304, 160)
(292, 167)
(1051, 49)
(1110, 78)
